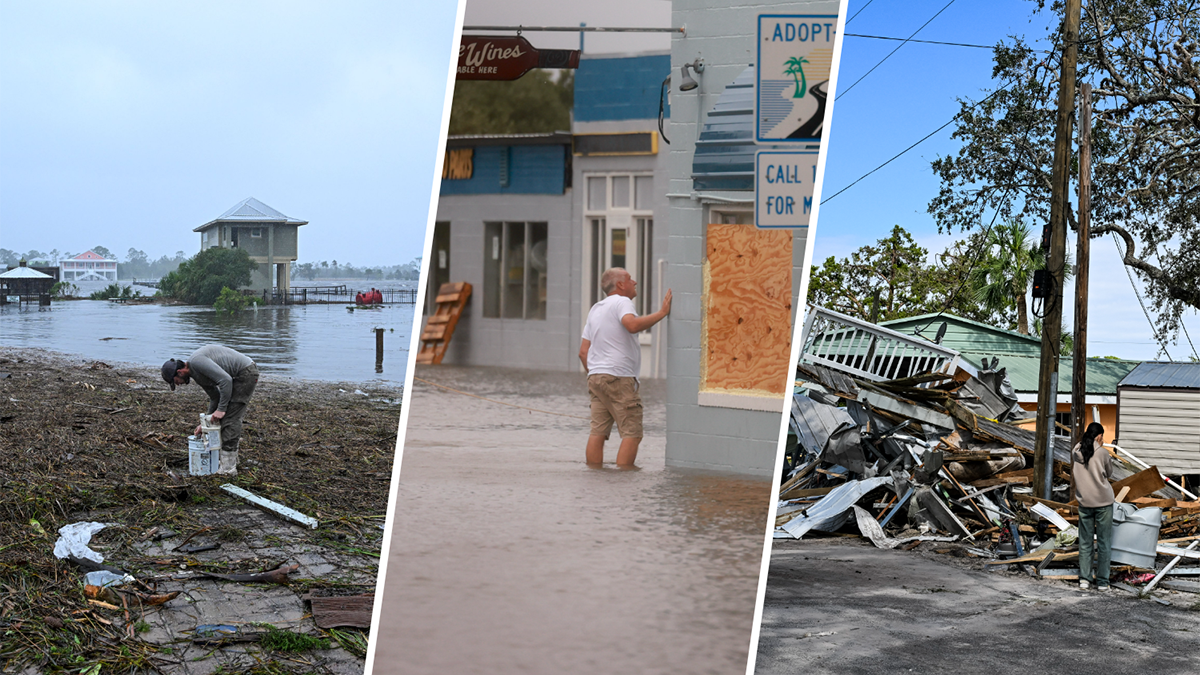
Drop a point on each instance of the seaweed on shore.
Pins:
(82, 440)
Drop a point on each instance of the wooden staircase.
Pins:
(439, 327)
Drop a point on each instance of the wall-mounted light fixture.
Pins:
(687, 83)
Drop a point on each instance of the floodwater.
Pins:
(509, 555)
(312, 342)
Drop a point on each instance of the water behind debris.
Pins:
(316, 342)
(510, 555)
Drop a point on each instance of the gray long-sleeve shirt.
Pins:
(214, 367)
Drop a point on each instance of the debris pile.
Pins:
(939, 457)
(114, 559)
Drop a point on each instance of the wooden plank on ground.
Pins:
(342, 611)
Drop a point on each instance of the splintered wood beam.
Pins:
(274, 508)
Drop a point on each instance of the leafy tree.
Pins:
(115, 290)
(103, 252)
(199, 280)
(538, 102)
(1005, 271)
(7, 257)
(233, 302)
(895, 266)
(63, 289)
(1141, 58)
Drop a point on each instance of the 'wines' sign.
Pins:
(482, 57)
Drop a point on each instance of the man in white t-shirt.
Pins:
(613, 358)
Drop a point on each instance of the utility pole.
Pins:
(1082, 262)
(1043, 456)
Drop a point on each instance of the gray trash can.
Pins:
(1135, 534)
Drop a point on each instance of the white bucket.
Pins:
(204, 451)
(201, 460)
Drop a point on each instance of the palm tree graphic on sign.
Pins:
(796, 65)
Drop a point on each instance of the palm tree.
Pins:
(796, 65)
(1006, 269)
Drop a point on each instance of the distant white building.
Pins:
(88, 266)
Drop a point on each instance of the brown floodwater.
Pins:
(509, 555)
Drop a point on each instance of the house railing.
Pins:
(869, 351)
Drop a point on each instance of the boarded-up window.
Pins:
(747, 320)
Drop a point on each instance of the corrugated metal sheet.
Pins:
(1103, 375)
(724, 156)
(1158, 374)
(1161, 428)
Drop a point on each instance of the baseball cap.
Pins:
(168, 372)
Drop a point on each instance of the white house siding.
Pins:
(1161, 427)
(712, 437)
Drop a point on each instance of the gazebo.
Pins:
(25, 284)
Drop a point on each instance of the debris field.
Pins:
(179, 573)
(937, 460)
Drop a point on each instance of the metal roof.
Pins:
(1160, 374)
(24, 273)
(1103, 375)
(250, 210)
(966, 335)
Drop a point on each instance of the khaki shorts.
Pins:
(615, 398)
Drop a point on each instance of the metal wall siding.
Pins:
(533, 169)
(1161, 428)
(624, 88)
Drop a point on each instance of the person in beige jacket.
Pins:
(1091, 467)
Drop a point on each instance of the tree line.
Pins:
(985, 277)
(138, 265)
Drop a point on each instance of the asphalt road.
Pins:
(844, 606)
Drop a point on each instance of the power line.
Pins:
(859, 11)
(925, 42)
(1137, 294)
(847, 90)
(923, 139)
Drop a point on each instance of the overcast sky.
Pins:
(128, 124)
(910, 95)
(558, 13)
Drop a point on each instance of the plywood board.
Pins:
(747, 322)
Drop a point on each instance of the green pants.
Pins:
(1098, 522)
(231, 424)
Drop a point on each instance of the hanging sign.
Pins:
(795, 58)
(483, 57)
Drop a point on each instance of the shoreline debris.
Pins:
(274, 508)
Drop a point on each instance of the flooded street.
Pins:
(510, 555)
(315, 342)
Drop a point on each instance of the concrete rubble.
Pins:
(936, 459)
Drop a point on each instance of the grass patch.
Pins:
(278, 640)
(350, 640)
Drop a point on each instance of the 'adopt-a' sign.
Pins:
(795, 58)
